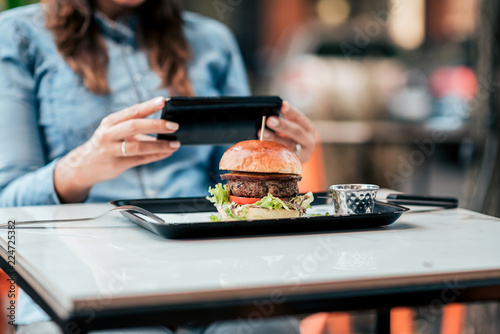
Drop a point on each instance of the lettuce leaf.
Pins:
(303, 201)
(228, 211)
(220, 194)
(244, 211)
(271, 202)
(307, 200)
(215, 218)
(220, 197)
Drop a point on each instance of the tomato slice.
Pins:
(243, 200)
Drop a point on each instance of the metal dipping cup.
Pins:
(350, 199)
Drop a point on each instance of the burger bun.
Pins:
(255, 156)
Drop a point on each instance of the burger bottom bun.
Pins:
(256, 213)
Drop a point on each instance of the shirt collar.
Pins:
(121, 30)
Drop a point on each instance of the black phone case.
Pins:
(218, 120)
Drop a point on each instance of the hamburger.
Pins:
(261, 183)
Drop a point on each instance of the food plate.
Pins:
(189, 218)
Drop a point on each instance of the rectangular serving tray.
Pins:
(384, 214)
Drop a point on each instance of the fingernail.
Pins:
(267, 135)
(175, 144)
(159, 101)
(273, 122)
(286, 106)
(171, 125)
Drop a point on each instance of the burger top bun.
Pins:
(256, 213)
(257, 156)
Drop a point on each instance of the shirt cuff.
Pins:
(44, 191)
(34, 188)
(53, 196)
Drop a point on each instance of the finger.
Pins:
(294, 115)
(289, 130)
(138, 148)
(141, 137)
(140, 110)
(134, 127)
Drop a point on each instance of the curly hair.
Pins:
(159, 33)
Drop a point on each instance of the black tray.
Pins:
(384, 214)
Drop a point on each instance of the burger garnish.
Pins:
(261, 184)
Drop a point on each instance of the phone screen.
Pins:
(218, 120)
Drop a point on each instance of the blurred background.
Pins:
(402, 92)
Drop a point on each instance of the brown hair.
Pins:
(159, 32)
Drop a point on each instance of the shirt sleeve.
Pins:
(26, 178)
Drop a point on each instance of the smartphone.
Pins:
(218, 120)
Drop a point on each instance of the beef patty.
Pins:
(260, 188)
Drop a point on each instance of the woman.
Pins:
(68, 65)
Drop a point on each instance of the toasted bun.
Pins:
(256, 213)
(257, 156)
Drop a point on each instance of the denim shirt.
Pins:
(46, 111)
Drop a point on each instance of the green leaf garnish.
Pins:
(220, 194)
(215, 218)
(271, 202)
(230, 214)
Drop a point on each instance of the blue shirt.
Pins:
(46, 111)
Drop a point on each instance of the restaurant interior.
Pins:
(403, 94)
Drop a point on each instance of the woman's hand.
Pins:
(119, 143)
(295, 130)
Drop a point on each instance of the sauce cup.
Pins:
(350, 199)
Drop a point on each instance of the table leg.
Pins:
(383, 325)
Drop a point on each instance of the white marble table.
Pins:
(111, 272)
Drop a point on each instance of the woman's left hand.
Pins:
(295, 130)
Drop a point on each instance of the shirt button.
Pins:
(137, 77)
(150, 193)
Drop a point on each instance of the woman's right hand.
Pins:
(102, 156)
